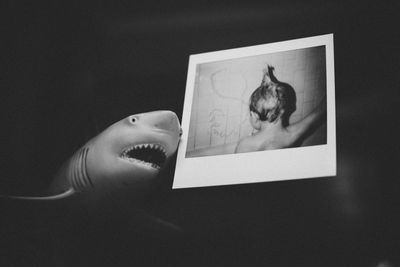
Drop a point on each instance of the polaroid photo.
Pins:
(258, 114)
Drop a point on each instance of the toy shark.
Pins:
(123, 158)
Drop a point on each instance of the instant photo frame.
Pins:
(216, 114)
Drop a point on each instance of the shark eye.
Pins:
(133, 119)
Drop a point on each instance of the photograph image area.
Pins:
(256, 103)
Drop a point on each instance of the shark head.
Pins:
(128, 154)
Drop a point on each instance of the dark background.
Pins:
(70, 69)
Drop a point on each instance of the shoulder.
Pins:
(245, 145)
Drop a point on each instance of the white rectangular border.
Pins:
(282, 164)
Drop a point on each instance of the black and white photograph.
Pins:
(260, 99)
(199, 133)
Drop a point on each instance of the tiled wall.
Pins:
(220, 113)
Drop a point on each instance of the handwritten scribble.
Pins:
(215, 116)
(225, 109)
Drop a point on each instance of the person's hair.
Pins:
(272, 89)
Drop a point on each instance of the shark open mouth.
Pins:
(152, 155)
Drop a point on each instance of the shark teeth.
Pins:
(152, 155)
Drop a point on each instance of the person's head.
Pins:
(271, 101)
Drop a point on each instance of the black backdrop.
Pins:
(71, 69)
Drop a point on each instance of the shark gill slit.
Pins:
(79, 176)
(85, 168)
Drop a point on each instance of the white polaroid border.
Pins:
(263, 166)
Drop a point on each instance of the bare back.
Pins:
(275, 136)
(266, 140)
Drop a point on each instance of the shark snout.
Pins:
(163, 120)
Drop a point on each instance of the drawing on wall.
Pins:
(255, 103)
